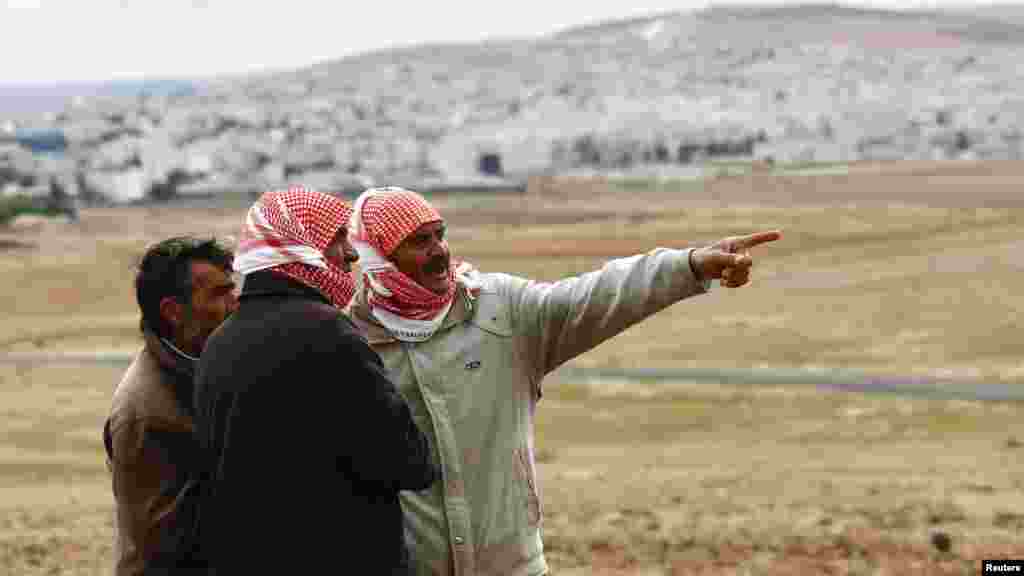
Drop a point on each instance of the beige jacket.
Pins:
(474, 386)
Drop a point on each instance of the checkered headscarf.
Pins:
(287, 231)
(381, 220)
(389, 214)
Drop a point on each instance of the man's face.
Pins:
(424, 257)
(213, 299)
(340, 252)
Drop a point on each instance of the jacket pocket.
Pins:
(492, 317)
(529, 481)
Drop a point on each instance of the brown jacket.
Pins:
(150, 450)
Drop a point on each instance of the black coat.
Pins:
(307, 440)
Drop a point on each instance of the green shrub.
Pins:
(13, 206)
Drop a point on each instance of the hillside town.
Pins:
(811, 84)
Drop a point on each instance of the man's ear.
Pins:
(171, 311)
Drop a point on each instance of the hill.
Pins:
(791, 83)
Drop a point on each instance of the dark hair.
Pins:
(165, 270)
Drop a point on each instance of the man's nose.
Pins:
(437, 246)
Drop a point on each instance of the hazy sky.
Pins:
(43, 41)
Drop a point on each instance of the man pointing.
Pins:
(469, 352)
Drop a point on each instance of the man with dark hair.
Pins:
(184, 290)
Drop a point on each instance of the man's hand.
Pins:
(729, 259)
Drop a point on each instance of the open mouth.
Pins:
(436, 269)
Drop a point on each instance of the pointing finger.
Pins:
(746, 242)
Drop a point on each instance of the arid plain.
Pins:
(905, 270)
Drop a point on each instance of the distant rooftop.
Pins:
(42, 141)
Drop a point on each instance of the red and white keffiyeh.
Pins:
(381, 219)
(287, 231)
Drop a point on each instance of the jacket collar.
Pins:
(268, 283)
(178, 366)
(169, 357)
(358, 310)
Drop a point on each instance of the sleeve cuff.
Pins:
(704, 283)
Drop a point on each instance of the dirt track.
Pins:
(835, 381)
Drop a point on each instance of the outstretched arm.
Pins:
(564, 319)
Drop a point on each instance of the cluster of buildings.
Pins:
(672, 90)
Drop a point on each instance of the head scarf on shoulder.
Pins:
(381, 219)
(287, 232)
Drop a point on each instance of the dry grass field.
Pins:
(903, 269)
